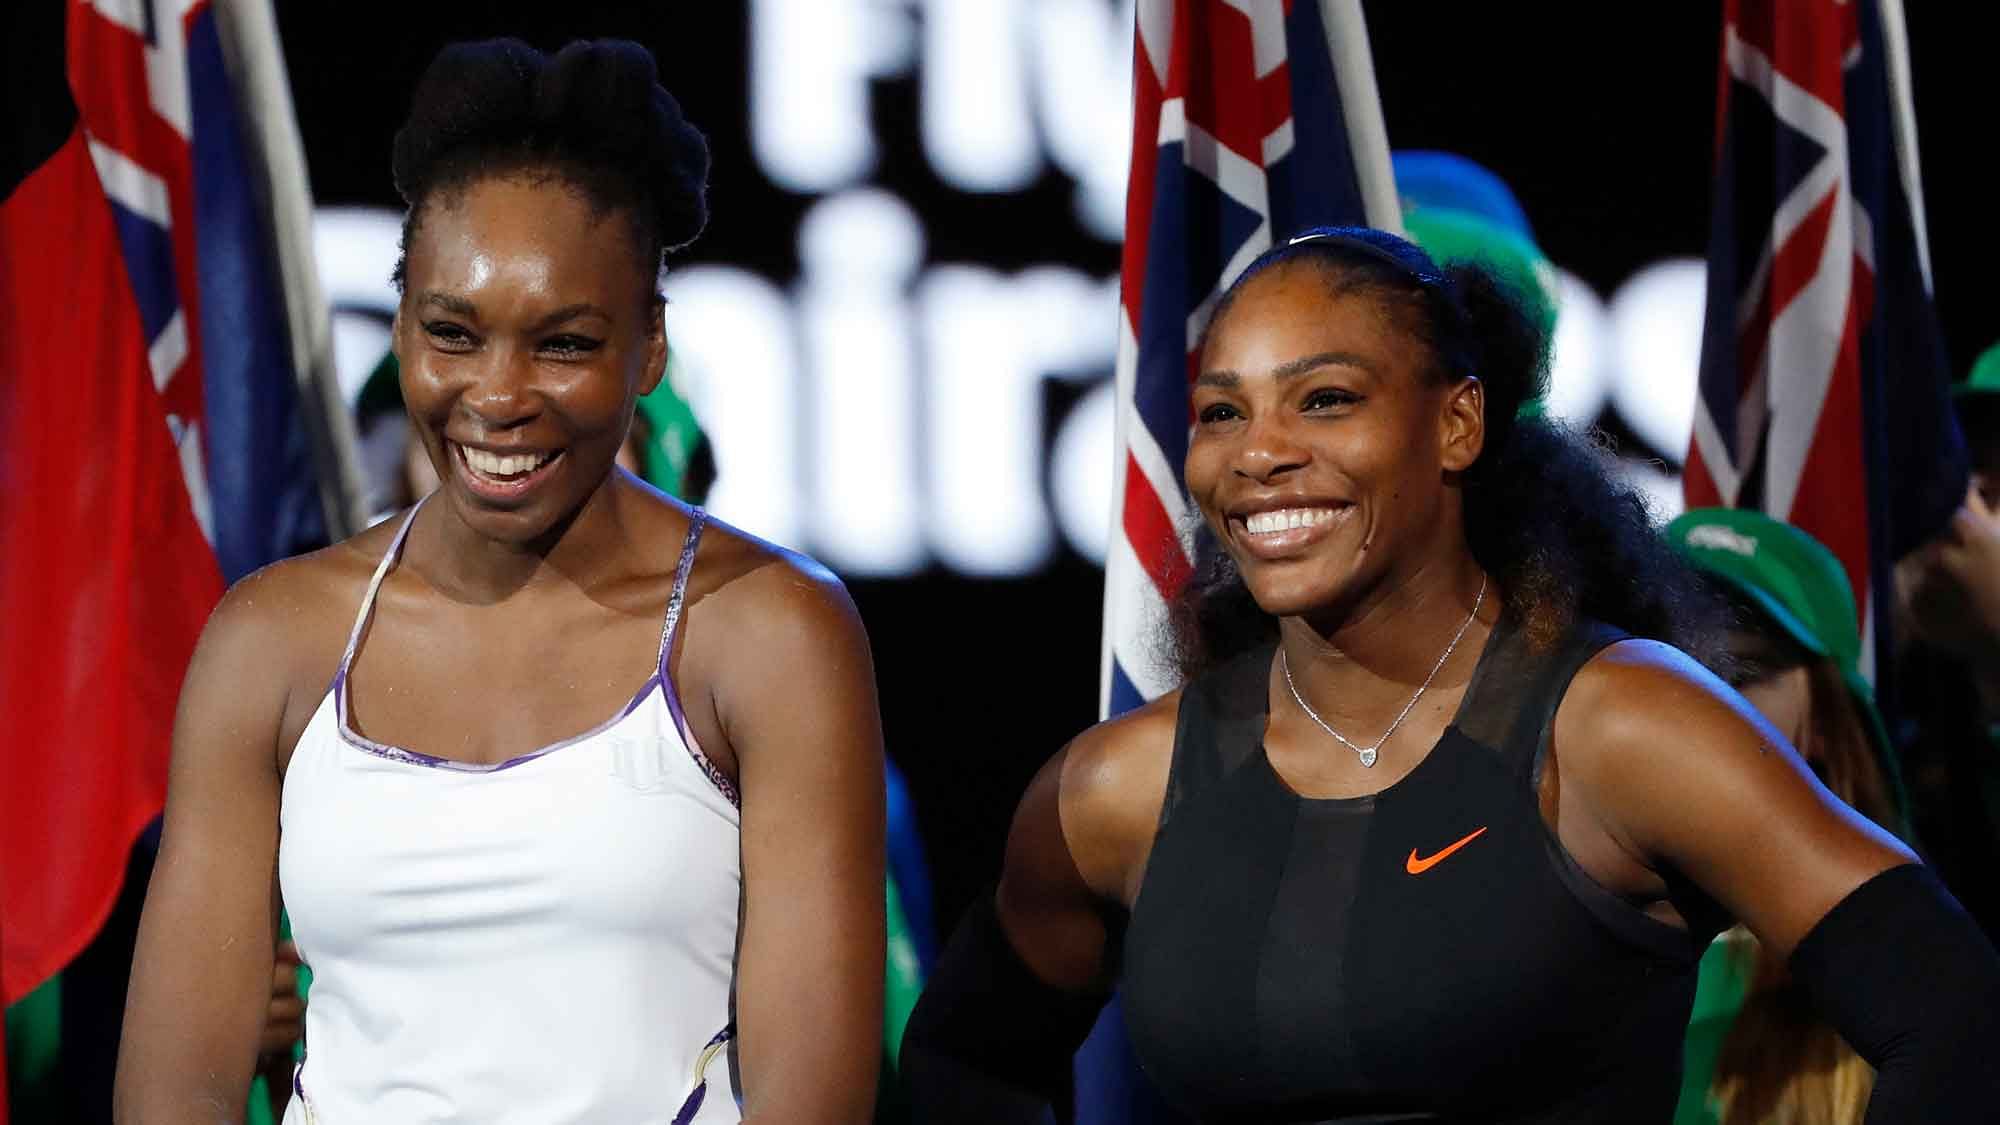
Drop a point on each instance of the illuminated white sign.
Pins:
(1006, 88)
(886, 412)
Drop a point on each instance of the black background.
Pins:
(1601, 117)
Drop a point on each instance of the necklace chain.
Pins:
(1368, 753)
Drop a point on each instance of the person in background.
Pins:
(1953, 582)
(1501, 920)
(667, 447)
(580, 790)
(395, 472)
(1978, 401)
(1948, 683)
(1757, 1052)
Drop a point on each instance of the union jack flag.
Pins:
(1251, 119)
(1823, 376)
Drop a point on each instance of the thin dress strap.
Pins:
(1220, 724)
(375, 584)
(697, 519)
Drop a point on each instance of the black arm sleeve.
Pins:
(989, 1042)
(1910, 981)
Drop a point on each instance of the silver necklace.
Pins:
(1368, 753)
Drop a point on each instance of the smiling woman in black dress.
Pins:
(1443, 819)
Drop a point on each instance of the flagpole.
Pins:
(1903, 125)
(1361, 108)
(249, 34)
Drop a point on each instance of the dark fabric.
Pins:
(1284, 965)
(989, 1042)
(1908, 979)
(1951, 762)
(77, 1089)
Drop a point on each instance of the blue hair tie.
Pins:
(1364, 241)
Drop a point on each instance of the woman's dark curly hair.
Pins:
(592, 116)
(1544, 514)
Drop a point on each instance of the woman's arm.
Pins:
(1683, 775)
(794, 691)
(1025, 975)
(201, 975)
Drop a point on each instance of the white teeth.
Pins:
(503, 465)
(1285, 519)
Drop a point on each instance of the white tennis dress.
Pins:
(548, 939)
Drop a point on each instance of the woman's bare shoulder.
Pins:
(290, 620)
(732, 566)
(737, 561)
(1111, 785)
(290, 601)
(273, 643)
(748, 589)
(1123, 760)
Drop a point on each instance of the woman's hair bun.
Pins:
(604, 98)
(593, 112)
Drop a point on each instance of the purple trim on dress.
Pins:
(697, 521)
(299, 1082)
(708, 769)
(660, 678)
(699, 1094)
(360, 741)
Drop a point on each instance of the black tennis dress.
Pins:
(1429, 953)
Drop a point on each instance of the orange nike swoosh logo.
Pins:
(1417, 866)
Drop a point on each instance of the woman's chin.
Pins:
(1300, 594)
(521, 525)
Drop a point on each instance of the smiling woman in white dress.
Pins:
(573, 794)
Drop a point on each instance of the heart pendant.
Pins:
(1367, 758)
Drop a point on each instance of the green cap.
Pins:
(1786, 573)
(669, 434)
(1448, 234)
(1802, 588)
(1985, 376)
(382, 391)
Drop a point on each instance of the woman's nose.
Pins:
(501, 395)
(1269, 449)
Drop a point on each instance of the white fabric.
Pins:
(553, 941)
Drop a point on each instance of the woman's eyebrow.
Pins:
(449, 302)
(567, 312)
(1290, 369)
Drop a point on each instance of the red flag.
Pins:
(105, 577)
